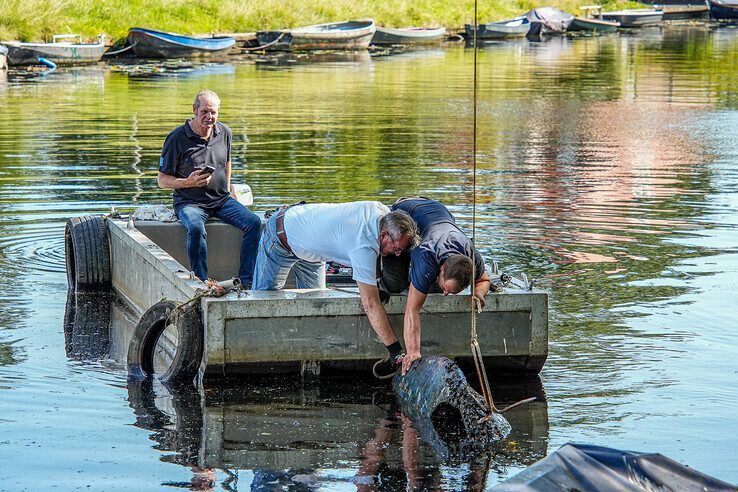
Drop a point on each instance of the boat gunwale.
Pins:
(157, 35)
(601, 22)
(410, 31)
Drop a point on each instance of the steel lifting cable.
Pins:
(474, 302)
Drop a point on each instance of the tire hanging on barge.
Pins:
(87, 252)
(188, 353)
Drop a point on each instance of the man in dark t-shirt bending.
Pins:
(441, 263)
(196, 163)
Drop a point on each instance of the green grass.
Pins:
(38, 20)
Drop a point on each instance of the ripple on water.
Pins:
(35, 247)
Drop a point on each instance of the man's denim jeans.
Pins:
(233, 213)
(273, 264)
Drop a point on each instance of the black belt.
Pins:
(280, 231)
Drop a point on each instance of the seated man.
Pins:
(441, 263)
(196, 163)
(355, 234)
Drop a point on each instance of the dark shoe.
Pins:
(384, 369)
(384, 296)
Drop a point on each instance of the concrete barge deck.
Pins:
(310, 331)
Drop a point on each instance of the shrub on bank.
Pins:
(38, 20)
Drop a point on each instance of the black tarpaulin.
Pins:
(548, 20)
(594, 468)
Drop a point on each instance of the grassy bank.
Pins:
(36, 20)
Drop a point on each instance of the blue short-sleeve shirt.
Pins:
(440, 238)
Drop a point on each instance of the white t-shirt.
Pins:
(344, 232)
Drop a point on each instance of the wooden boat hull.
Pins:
(390, 36)
(635, 18)
(3, 57)
(59, 53)
(598, 25)
(350, 35)
(513, 28)
(155, 44)
(723, 11)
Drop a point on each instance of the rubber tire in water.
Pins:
(88, 253)
(87, 325)
(152, 324)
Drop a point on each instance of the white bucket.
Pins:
(243, 194)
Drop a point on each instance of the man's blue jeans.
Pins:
(274, 262)
(233, 213)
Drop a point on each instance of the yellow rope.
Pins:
(474, 185)
(475, 348)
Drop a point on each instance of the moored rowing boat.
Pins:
(511, 28)
(408, 35)
(58, 51)
(347, 35)
(147, 43)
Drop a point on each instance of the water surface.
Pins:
(607, 171)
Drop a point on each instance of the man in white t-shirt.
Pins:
(303, 237)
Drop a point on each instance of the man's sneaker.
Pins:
(385, 369)
(384, 296)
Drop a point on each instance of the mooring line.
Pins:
(474, 302)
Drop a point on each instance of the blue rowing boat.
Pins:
(147, 43)
(723, 10)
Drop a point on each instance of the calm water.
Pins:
(608, 171)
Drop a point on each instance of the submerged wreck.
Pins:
(445, 410)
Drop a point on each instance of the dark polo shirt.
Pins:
(184, 151)
(439, 238)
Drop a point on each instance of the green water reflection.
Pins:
(606, 171)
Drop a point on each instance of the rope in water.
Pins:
(256, 48)
(475, 307)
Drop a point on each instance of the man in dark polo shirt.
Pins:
(441, 263)
(196, 163)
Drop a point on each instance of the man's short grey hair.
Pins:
(399, 224)
(206, 95)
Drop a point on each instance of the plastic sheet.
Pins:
(596, 468)
(548, 20)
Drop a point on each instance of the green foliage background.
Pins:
(37, 20)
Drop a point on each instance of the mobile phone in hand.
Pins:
(207, 170)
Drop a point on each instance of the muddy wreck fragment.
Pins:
(445, 410)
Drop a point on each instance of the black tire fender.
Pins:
(87, 252)
(188, 354)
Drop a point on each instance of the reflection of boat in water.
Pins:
(286, 59)
(286, 433)
(169, 70)
(58, 51)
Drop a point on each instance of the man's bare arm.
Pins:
(481, 288)
(376, 313)
(196, 179)
(411, 328)
(228, 179)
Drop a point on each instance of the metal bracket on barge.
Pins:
(311, 331)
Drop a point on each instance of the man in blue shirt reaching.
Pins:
(441, 263)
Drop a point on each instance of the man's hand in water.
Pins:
(407, 361)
